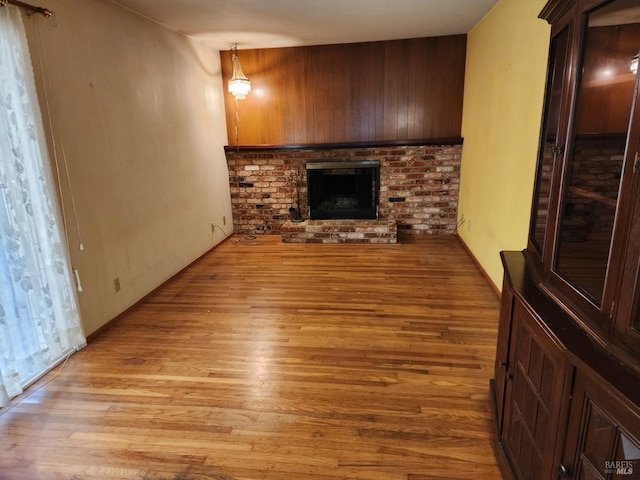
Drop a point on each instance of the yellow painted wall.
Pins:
(504, 88)
(137, 112)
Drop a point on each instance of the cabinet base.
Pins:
(496, 445)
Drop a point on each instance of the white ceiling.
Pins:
(287, 23)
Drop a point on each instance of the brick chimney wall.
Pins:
(419, 185)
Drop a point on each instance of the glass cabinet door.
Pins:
(631, 334)
(550, 138)
(627, 324)
(603, 108)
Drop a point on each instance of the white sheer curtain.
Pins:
(39, 319)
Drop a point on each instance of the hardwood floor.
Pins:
(271, 361)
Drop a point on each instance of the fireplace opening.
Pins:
(343, 190)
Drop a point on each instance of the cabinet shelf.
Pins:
(598, 197)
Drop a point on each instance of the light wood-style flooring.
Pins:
(271, 361)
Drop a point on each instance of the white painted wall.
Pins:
(137, 112)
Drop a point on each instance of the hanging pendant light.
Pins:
(239, 85)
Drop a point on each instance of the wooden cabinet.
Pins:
(567, 378)
(583, 240)
(537, 379)
(627, 316)
(565, 405)
(499, 383)
(566, 391)
(602, 437)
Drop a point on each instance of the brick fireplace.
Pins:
(418, 189)
(343, 190)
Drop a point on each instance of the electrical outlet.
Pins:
(224, 220)
(116, 284)
(213, 228)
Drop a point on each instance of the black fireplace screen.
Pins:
(343, 190)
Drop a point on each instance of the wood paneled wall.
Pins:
(608, 84)
(348, 93)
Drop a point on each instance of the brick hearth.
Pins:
(340, 231)
(419, 187)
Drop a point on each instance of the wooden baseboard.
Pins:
(92, 336)
(480, 267)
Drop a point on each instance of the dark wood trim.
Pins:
(93, 335)
(554, 10)
(480, 267)
(331, 146)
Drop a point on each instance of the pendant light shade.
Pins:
(239, 85)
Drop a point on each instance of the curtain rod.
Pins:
(32, 9)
